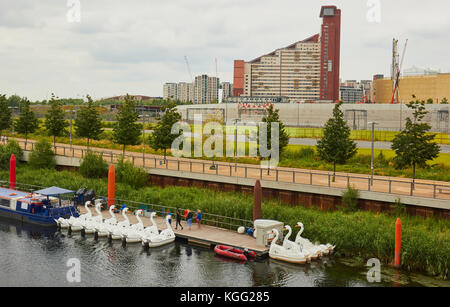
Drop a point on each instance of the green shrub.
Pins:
(127, 173)
(350, 199)
(42, 156)
(93, 165)
(6, 151)
(398, 208)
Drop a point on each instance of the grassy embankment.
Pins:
(361, 235)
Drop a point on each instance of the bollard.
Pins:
(69, 232)
(111, 185)
(12, 172)
(398, 243)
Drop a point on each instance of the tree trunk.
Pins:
(414, 176)
(88, 143)
(26, 140)
(54, 144)
(334, 171)
(123, 151)
(165, 155)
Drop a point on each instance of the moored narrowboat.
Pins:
(40, 207)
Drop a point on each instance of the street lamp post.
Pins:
(371, 161)
(72, 112)
(143, 139)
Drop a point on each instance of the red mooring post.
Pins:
(257, 201)
(398, 242)
(111, 185)
(12, 172)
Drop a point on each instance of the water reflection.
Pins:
(35, 256)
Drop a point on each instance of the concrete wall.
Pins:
(316, 115)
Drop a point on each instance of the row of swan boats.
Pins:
(123, 230)
(300, 251)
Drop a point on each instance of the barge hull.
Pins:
(24, 218)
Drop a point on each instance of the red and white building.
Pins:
(305, 71)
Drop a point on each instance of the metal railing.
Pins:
(388, 185)
(216, 220)
(381, 134)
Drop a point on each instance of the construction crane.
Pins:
(189, 69)
(395, 93)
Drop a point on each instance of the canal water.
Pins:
(34, 256)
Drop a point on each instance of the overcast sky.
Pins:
(135, 46)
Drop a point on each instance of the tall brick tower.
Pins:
(238, 78)
(330, 53)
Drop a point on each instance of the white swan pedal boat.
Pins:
(290, 254)
(166, 236)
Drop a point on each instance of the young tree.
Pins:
(5, 114)
(42, 156)
(413, 146)
(444, 100)
(27, 121)
(55, 123)
(273, 117)
(336, 146)
(161, 138)
(88, 123)
(126, 130)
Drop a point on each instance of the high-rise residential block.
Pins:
(227, 90)
(305, 71)
(185, 92)
(170, 91)
(206, 89)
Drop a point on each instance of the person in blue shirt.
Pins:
(189, 219)
(170, 217)
(199, 218)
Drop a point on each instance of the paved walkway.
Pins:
(359, 144)
(393, 185)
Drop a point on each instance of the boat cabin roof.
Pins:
(23, 196)
(8, 193)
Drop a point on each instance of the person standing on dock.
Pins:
(178, 219)
(189, 219)
(199, 218)
(170, 217)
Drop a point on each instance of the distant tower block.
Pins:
(330, 53)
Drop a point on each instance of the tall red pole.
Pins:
(398, 242)
(111, 185)
(12, 172)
